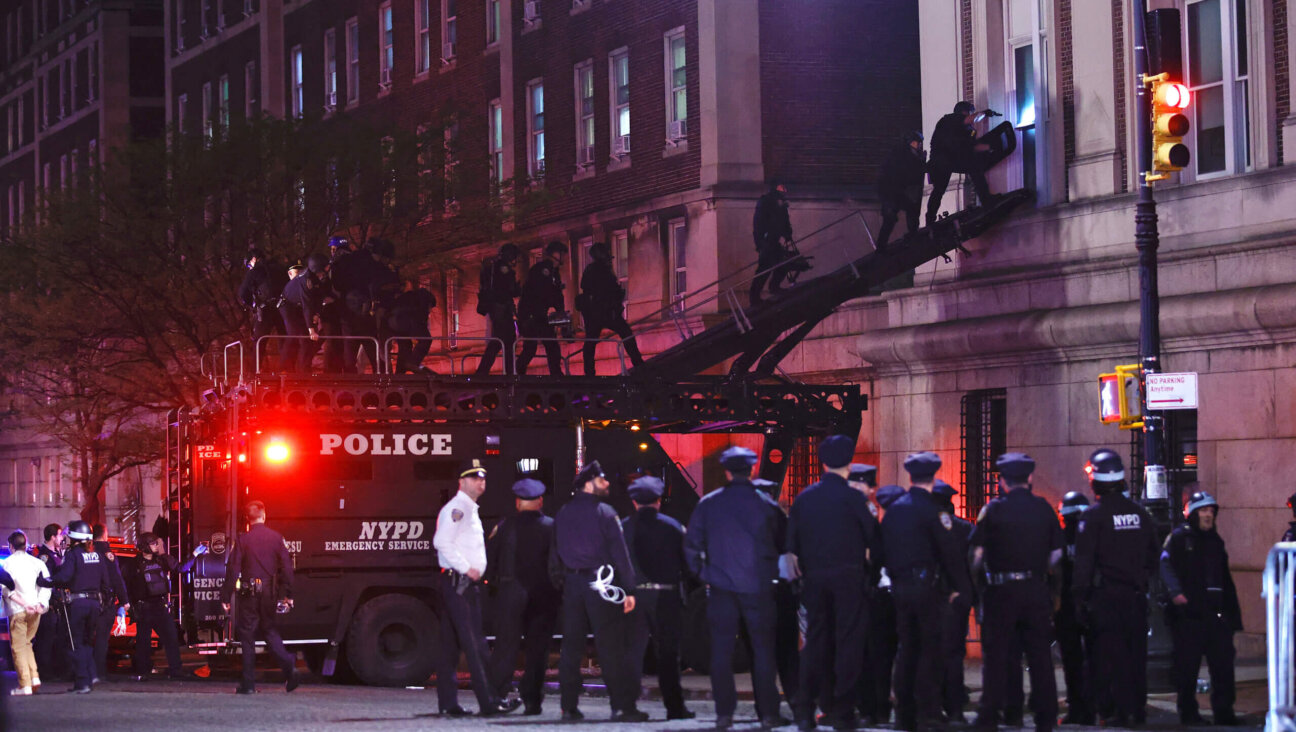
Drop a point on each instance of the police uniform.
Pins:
(589, 541)
(883, 640)
(656, 543)
(409, 318)
(787, 611)
(733, 545)
(770, 226)
(1116, 554)
(1073, 638)
(920, 553)
(352, 277)
(542, 292)
(460, 544)
(149, 583)
(604, 300)
(300, 308)
(953, 144)
(499, 303)
(1195, 565)
(259, 292)
(526, 601)
(831, 532)
(84, 574)
(51, 645)
(954, 624)
(260, 564)
(108, 611)
(1018, 538)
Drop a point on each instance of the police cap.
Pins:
(472, 469)
(737, 458)
(889, 494)
(646, 489)
(863, 473)
(1015, 467)
(296, 267)
(944, 490)
(1073, 502)
(922, 465)
(836, 451)
(528, 489)
(591, 471)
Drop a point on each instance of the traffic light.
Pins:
(1120, 397)
(1169, 125)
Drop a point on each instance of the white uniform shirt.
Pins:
(24, 568)
(459, 539)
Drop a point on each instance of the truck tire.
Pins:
(393, 641)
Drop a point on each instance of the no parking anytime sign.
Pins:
(1171, 391)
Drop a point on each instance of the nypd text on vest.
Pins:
(383, 444)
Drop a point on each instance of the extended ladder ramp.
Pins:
(764, 335)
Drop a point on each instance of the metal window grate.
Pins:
(803, 469)
(983, 436)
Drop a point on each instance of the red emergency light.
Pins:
(277, 452)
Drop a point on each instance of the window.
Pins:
(58, 90)
(180, 23)
(22, 124)
(452, 306)
(984, 436)
(386, 54)
(1217, 55)
(449, 24)
(1025, 49)
(298, 82)
(492, 21)
(182, 112)
(353, 61)
(72, 165)
(619, 101)
(207, 111)
(42, 96)
(423, 41)
(676, 87)
(251, 82)
(92, 86)
(535, 129)
(620, 245)
(92, 153)
(224, 107)
(63, 171)
(206, 19)
(330, 69)
(678, 233)
(495, 141)
(585, 114)
(48, 177)
(68, 99)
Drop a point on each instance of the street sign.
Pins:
(1171, 391)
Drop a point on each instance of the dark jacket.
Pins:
(734, 538)
(830, 527)
(602, 292)
(917, 542)
(1116, 545)
(952, 141)
(83, 570)
(656, 544)
(1193, 562)
(542, 291)
(104, 549)
(771, 221)
(587, 535)
(410, 312)
(303, 295)
(1290, 533)
(1018, 533)
(517, 550)
(499, 286)
(149, 579)
(902, 173)
(262, 285)
(259, 554)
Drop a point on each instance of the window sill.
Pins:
(492, 47)
(534, 25)
(384, 92)
(448, 64)
(422, 76)
(620, 163)
(583, 173)
(352, 103)
(677, 147)
(579, 7)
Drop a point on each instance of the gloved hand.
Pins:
(200, 550)
(119, 626)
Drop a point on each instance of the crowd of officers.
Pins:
(65, 632)
(356, 297)
(887, 579)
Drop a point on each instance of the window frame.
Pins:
(495, 141)
(492, 23)
(386, 46)
(1037, 39)
(330, 70)
(677, 258)
(1235, 83)
(208, 100)
(615, 107)
(535, 134)
(672, 91)
(352, 40)
(449, 31)
(251, 84)
(586, 130)
(422, 37)
(297, 81)
(223, 101)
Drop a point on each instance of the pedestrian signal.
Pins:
(1120, 397)
(1169, 125)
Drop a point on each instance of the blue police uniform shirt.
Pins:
(915, 538)
(734, 537)
(830, 526)
(588, 536)
(1018, 533)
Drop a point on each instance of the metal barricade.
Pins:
(1279, 591)
(360, 341)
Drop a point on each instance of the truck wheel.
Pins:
(393, 641)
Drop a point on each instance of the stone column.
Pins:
(730, 91)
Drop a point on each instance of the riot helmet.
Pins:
(600, 252)
(508, 253)
(317, 263)
(79, 531)
(1106, 471)
(913, 136)
(1198, 500)
(1072, 503)
(339, 241)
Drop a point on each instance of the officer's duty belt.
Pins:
(1003, 578)
(657, 586)
(87, 595)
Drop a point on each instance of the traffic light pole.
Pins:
(1147, 240)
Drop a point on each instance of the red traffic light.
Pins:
(1173, 94)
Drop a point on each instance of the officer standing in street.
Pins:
(542, 292)
(261, 568)
(900, 186)
(1017, 543)
(656, 543)
(598, 583)
(1073, 638)
(772, 231)
(498, 288)
(787, 608)
(526, 601)
(831, 533)
(920, 552)
(1202, 609)
(733, 545)
(84, 573)
(461, 553)
(883, 640)
(602, 302)
(1116, 554)
(115, 599)
(954, 626)
(51, 646)
(148, 579)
